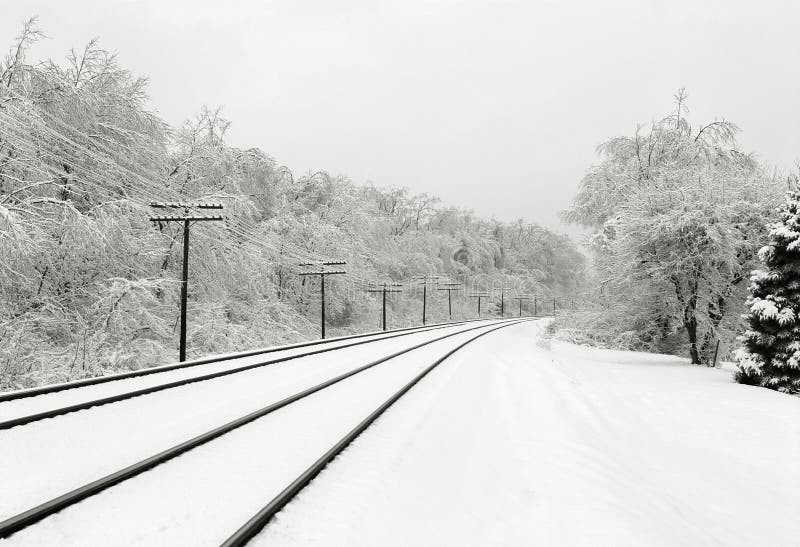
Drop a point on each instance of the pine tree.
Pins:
(770, 356)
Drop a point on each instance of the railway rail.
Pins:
(329, 345)
(255, 524)
(55, 505)
(54, 388)
(102, 440)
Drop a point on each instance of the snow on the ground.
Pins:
(519, 442)
(44, 459)
(202, 496)
(512, 441)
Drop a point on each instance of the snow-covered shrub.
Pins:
(617, 325)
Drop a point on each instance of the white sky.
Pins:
(493, 106)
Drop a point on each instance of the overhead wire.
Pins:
(145, 183)
(154, 191)
(243, 228)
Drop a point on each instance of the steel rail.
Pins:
(53, 388)
(35, 514)
(253, 526)
(52, 413)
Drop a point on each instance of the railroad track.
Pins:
(329, 345)
(255, 524)
(93, 488)
(54, 388)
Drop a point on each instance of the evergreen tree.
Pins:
(770, 356)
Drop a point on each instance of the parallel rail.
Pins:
(253, 526)
(54, 388)
(35, 514)
(52, 413)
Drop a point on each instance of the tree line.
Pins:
(88, 285)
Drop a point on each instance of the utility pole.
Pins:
(479, 296)
(386, 288)
(424, 281)
(520, 299)
(554, 307)
(503, 291)
(535, 306)
(186, 218)
(322, 272)
(449, 287)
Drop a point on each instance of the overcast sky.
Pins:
(494, 106)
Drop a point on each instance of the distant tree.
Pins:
(13, 66)
(770, 356)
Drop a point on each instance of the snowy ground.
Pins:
(529, 444)
(510, 442)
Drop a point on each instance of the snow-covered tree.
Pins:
(770, 356)
(89, 285)
(677, 213)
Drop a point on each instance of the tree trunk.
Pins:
(691, 330)
(689, 315)
(716, 312)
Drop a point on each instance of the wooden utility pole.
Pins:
(479, 296)
(521, 299)
(186, 219)
(449, 287)
(322, 272)
(386, 288)
(503, 291)
(424, 280)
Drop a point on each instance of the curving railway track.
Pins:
(247, 434)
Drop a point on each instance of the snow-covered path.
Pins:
(511, 441)
(516, 443)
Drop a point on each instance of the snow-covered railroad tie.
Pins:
(23, 418)
(388, 378)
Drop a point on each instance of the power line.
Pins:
(143, 182)
(479, 296)
(503, 291)
(449, 287)
(424, 280)
(386, 288)
(186, 219)
(521, 299)
(322, 272)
